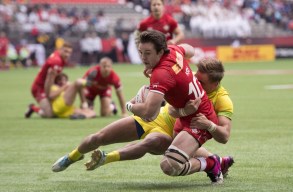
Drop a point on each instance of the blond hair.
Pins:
(213, 68)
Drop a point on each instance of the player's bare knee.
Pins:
(46, 113)
(151, 142)
(79, 83)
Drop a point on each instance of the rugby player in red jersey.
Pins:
(55, 61)
(161, 21)
(102, 78)
(156, 136)
(172, 79)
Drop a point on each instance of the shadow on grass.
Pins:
(146, 185)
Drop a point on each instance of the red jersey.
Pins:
(103, 83)
(173, 78)
(54, 61)
(166, 24)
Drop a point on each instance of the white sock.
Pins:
(203, 163)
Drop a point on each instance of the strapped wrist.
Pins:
(182, 112)
(212, 128)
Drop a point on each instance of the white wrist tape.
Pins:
(212, 128)
(182, 112)
(129, 106)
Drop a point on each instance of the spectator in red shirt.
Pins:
(4, 42)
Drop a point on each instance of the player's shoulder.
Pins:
(145, 22)
(113, 74)
(223, 95)
(163, 70)
(94, 68)
(169, 17)
(54, 57)
(175, 47)
(176, 51)
(223, 91)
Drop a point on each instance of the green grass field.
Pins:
(261, 139)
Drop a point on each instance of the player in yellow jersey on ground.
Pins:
(62, 94)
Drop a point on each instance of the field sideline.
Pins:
(261, 139)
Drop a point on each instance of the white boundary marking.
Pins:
(277, 87)
(258, 72)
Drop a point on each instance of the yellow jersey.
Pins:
(222, 102)
(60, 109)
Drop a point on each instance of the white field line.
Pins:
(278, 87)
(264, 72)
(258, 72)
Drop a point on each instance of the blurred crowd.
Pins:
(33, 31)
(226, 18)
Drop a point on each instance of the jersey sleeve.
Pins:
(55, 64)
(161, 81)
(142, 26)
(224, 106)
(116, 81)
(173, 24)
(181, 50)
(90, 71)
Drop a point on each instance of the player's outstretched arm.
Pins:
(51, 75)
(179, 35)
(121, 102)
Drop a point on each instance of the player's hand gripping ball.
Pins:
(142, 94)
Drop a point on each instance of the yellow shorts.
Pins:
(60, 109)
(164, 123)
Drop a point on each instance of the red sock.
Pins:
(35, 108)
(210, 164)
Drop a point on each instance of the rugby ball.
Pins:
(142, 94)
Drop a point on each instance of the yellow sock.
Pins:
(112, 156)
(75, 155)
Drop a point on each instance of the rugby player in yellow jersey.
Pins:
(157, 135)
(62, 95)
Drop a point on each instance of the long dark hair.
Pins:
(157, 38)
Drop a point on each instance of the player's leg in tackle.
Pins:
(226, 162)
(178, 159)
(65, 161)
(154, 143)
(122, 130)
